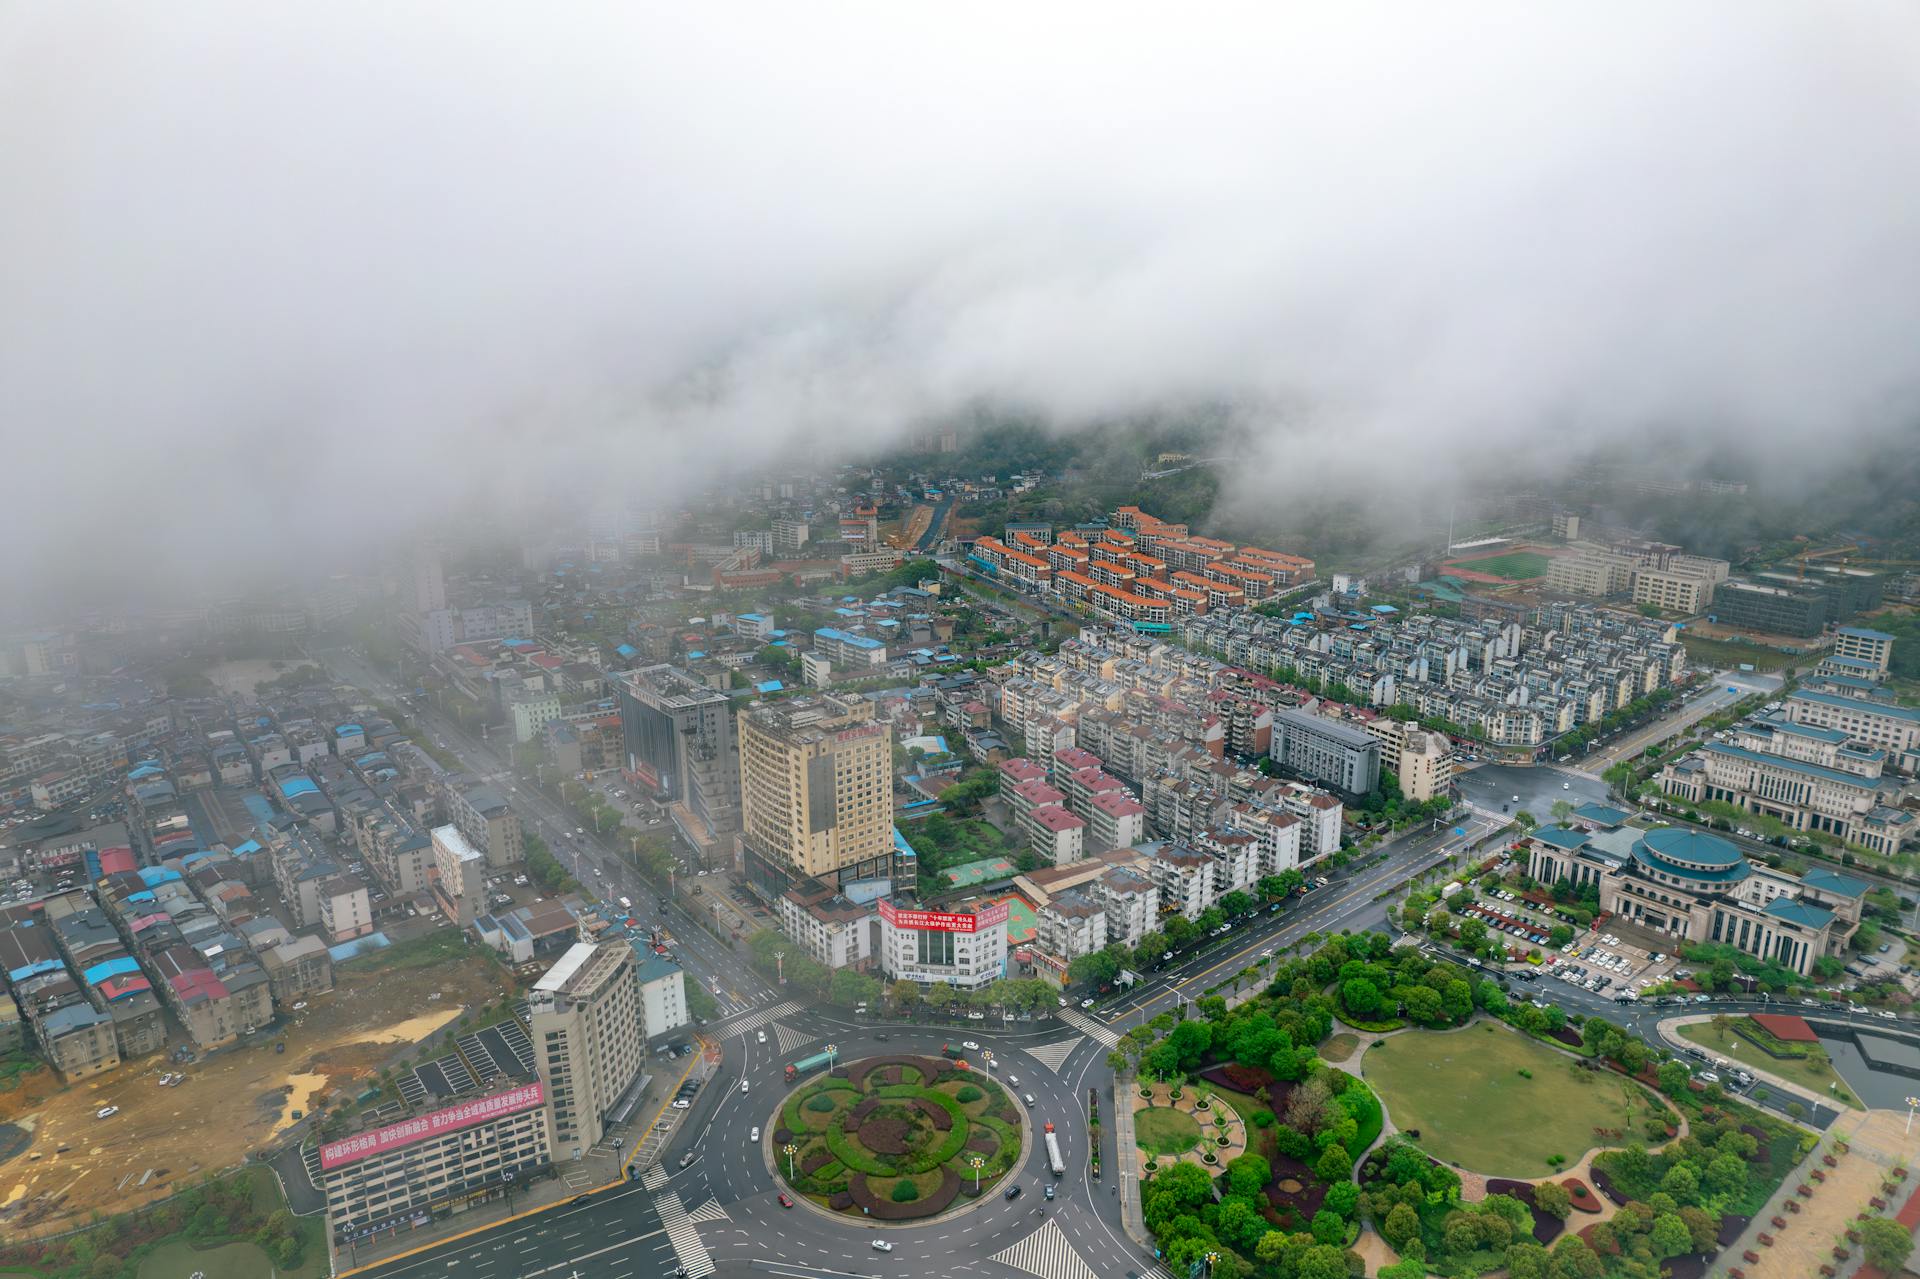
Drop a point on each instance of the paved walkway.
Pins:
(1876, 1143)
(1126, 1159)
(1669, 1030)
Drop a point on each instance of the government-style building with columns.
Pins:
(1696, 887)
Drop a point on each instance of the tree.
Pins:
(1211, 918)
(1670, 1236)
(1572, 1259)
(1343, 1198)
(1334, 1165)
(1236, 904)
(1329, 1228)
(1727, 1175)
(1239, 1223)
(904, 995)
(1553, 1199)
(1886, 1242)
(849, 987)
(1561, 810)
(1682, 1183)
(1191, 1040)
(1402, 1224)
(1526, 1261)
(1524, 820)
(1361, 997)
(1673, 1078)
(1248, 1175)
(1322, 1261)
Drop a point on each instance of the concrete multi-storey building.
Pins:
(1131, 902)
(681, 747)
(1810, 778)
(663, 996)
(587, 1041)
(459, 875)
(1696, 887)
(1865, 645)
(489, 823)
(1891, 728)
(834, 930)
(816, 788)
(387, 1178)
(967, 949)
(1071, 925)
(1324, 750)
(1426, 765)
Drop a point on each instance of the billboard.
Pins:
(440, 1122)
(939, 921)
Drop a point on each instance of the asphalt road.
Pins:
(735, 986)
(1725, 688)
(1490, 786)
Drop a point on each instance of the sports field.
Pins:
(1495, 1101)
(967, 874)
(1512, 566)
(1022, 923)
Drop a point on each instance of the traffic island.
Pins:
(896, 1139)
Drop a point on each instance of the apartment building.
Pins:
(459, 876)
(1115, 819)
(1055, 834)
(346, 909)
(489, 824)
(834, 930)
(1685, 588)
(587, 1043)
(1426, 765)
(662, 986)
(296, 969)
(816, 787)
(1072, 924)
(1131, 902)
(1183, 877)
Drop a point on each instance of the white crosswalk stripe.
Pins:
(1089, 1027)
(747, 1023)
(789, 1039)
(1046, 1253)
(654, 1178)
(1053, 1056)
(709, 1211)
(684, 1236)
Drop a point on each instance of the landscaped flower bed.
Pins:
(893, 1140)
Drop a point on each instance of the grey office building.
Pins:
(1326, 751)
(680, 743)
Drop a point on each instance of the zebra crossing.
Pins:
(709, 1211)
(684, 1236)
(1089, 1027)
(789, 1039)
(654, 1178)
(1054, 1056)
(747, 1023)
(1047, 1254)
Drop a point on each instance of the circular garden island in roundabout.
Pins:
(896, 1138)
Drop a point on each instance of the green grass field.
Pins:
(1465, 1094)
(1514, 566)
(229, 1261)
(1162, 1130)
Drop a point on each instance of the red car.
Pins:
(786, 1200)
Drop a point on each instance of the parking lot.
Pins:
(1597, 959)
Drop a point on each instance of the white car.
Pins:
(970, 1045)
(1086, 1003)
(760, 1036)
(681, 1103)
(881, 1245)
(106, 1112)
(755, 1135)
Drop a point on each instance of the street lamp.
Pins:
(790, 1150)
(832, 1049)
(976, 1163)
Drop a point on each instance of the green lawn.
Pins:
(424, 951)
(1816, 1075)
(1728, 654)
(1515, 566)
(1465, 1094)
(1162, 1130)
(1339, 1047)
(229, 1261)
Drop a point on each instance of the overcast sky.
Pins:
(277, 274)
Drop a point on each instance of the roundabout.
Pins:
(896, 1138)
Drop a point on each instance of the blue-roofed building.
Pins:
(1861, 644)
(1813, 776)
(1677, 884)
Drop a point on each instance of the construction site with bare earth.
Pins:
(123, 1140)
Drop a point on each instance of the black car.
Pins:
(882, 1037)
(1013, 1192)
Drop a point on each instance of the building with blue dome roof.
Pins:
(1687, 885)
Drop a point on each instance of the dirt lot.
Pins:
(915, 526)
(234, 1101)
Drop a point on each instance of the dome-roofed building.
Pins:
(1690, 885)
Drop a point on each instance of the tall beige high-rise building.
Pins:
(587, 1042)
(816, 792)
